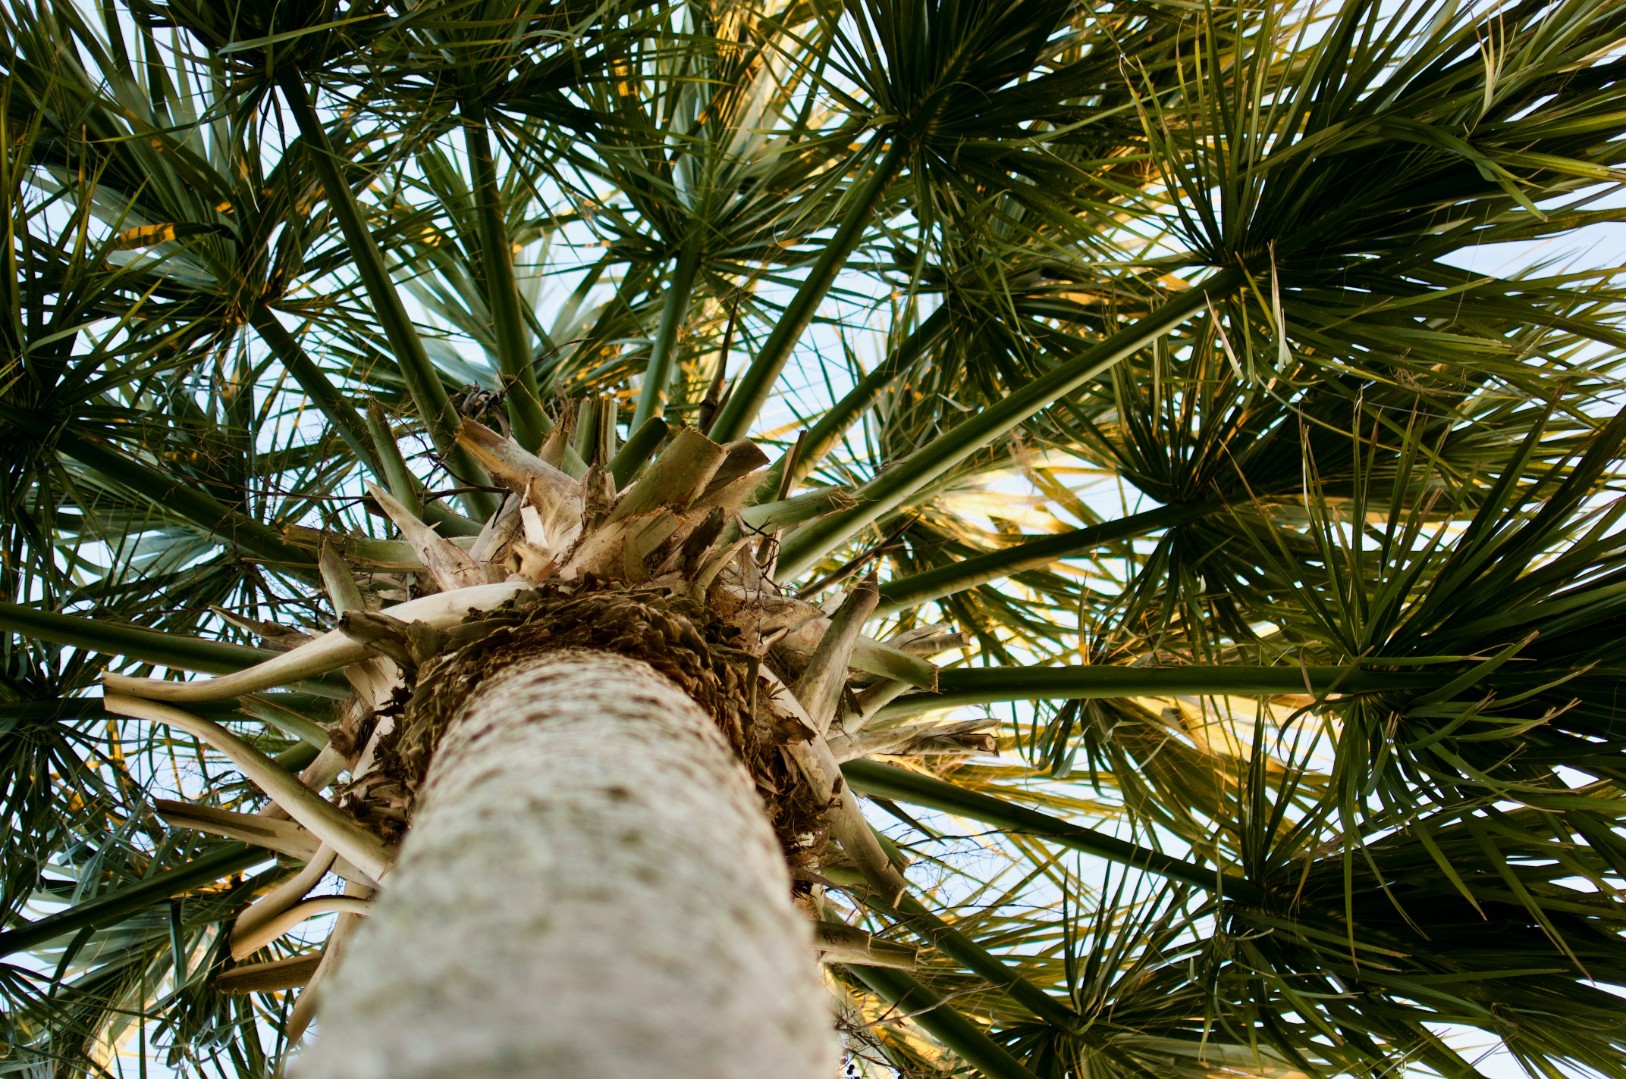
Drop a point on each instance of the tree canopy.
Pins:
(1220, 396)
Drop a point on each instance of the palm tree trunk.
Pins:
(590, 888)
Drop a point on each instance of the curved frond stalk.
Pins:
(250, 939)
(283, 896)
(331, 651)
(363, 849)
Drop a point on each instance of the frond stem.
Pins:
(934, 1015)
(523, 399)
(419, 372)
(663, 348)
(806, 546)
(1040, 551)
(886, 781)
(756, 383)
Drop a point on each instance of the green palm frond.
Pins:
(1214, 394)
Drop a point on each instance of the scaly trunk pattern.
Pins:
(589, 889)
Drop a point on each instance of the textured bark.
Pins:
(590, 889)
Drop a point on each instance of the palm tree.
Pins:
(1025, 539)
